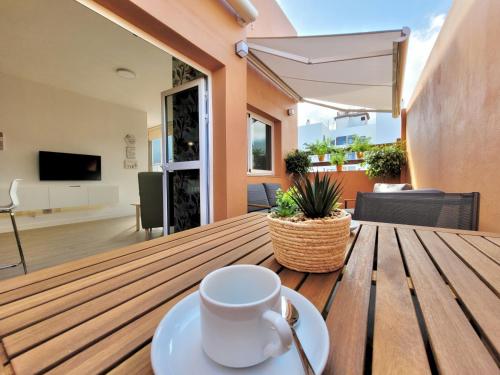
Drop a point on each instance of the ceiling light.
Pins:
(125, 73)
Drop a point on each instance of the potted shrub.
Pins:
(385, 161)
(297, 162)
(319, 148)
(337, 158)
(309, 232)
(360, 146)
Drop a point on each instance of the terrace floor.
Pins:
(46, 247)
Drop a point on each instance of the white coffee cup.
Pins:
(241, 324)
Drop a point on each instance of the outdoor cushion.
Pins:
(256, 194)
(271, 193)
(390, 188)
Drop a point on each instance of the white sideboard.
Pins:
(41, 196)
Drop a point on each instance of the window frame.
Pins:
(250, 170)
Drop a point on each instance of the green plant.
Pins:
(285, 205)
(385, 161)
(297, 162)
(361, 144)
(338, 156)
(319, 147)
(316, 199)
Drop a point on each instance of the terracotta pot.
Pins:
(339, 168)
(310, 246)
(360, 154)
(321, 157)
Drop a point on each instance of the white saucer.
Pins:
(354, 225)
(176, 348)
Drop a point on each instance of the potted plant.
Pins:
(309, 232)
(360, 146)
(319, 148)
(338, 157)
(385, 161)
(297, 162)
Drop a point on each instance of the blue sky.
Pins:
(423, 17)
(347, 16)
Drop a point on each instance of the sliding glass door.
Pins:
(185, 156)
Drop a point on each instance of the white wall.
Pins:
(37, 117)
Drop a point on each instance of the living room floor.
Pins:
(46, 247)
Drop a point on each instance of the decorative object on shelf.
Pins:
(297, 162)
(130, 161)
(360, 146)
(338, 157)
(319, 148)
(308, 231)
(385, 161)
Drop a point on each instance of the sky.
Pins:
(317, 17)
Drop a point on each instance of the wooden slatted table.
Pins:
(408, 301)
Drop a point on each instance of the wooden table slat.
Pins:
(49, 327)
(488, 248)
(456, 347)
(480, 301)
(347, 319)
(396, 326)
(98, 315)
(126, 257)
(480, 263)
(176, 252)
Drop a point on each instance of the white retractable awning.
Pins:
(362, 70)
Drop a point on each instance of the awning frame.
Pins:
(399, 52)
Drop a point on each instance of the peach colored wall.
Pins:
(272, 21)
(453, 119)
(354, 182)
(268, 101)
(205, 31)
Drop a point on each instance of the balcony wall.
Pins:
(453, 118)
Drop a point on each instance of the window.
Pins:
(350, 139)
(260, 145)
(340, 141)
(156, 155)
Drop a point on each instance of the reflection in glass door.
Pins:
(185, 155)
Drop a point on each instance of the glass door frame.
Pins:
(202, 164)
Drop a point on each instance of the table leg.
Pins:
(137, 218)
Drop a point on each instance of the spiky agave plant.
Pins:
(319, 198)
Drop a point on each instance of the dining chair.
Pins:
(9, 208)
(151, 200)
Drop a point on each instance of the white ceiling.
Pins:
(63, 44)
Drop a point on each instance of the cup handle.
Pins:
(284, 332)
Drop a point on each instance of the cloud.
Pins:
(419, 49)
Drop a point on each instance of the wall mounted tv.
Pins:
(59, 166)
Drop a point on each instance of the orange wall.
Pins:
(270, 102)
(453, 120)
(206, 31)
(354, 182)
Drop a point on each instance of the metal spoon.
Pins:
(291, 315)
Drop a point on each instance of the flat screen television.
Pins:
(59, 166)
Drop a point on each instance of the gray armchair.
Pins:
(261, 197)
(151, 199)
(428, 208)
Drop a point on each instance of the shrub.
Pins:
(316, 199)
(338, 156)
(285, 205)
(361, 144)
(319, 147)
(297, 162)
(385, 161)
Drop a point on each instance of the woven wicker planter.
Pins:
(310, 246)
